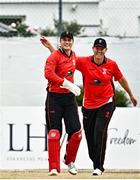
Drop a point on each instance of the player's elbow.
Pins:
(47, 74)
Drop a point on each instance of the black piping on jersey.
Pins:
(104, 61)
(64, 52)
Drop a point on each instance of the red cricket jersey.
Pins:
(97, 80)
(59, 66)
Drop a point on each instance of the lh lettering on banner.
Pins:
(28, 138)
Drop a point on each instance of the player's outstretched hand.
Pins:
(133, 100)
(47, 43)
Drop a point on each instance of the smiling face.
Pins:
(66, 43)
(99, 53)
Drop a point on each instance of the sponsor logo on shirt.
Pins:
(96, 82)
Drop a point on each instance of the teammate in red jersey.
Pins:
(98, 73)
(61, 103)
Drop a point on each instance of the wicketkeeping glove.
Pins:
(71, 87)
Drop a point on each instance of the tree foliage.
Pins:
(121, 99)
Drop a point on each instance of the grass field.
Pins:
(82, 174)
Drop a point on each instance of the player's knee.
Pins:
(77, 136)
(54, 134)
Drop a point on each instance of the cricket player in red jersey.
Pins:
(61, 103)
(98, 73)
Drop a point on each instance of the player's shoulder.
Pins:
(55, 54)
(110, 61)
(84, 58)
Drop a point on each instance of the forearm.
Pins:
(51, 48)
(52, 77)
(47, 43)
(123, 82)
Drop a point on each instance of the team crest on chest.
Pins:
(73, 61)
(104, 70)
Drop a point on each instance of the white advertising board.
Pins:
(23, 140)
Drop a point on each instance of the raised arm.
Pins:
(47, 43)
(123, 82)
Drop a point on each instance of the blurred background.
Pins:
(22, 57)
(23, 86)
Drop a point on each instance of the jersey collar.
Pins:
(63, 52)
(104, 61)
